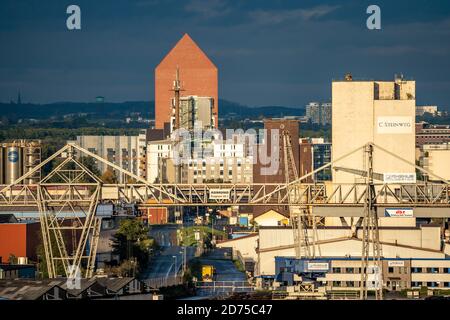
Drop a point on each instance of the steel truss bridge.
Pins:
(72, 187)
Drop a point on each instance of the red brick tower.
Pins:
(198, 77)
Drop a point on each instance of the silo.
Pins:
(13, 163)
(31, 158)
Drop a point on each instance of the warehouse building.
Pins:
(337, 273)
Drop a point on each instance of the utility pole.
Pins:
(370, 235)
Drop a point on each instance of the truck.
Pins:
(208, 273)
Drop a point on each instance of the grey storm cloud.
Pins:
(268, 52)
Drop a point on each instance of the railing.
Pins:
(220, 287)
(344, 295)
(161, 282)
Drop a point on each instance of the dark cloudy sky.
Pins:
(268, 52)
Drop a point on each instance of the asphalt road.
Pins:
(168, 263)
(225, 270)
(165, 235)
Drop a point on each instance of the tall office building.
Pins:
(382, 112)
(198, 76)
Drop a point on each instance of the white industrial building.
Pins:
(127, 152)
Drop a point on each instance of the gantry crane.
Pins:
(298, 219)
(70, 186)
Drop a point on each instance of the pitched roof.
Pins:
(114, 284)
(26, 289)
(282, 216)
(186, 50)
(8, 218)
(84, 285)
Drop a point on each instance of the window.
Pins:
(391, 269)
(348, 270)
(416, 270)
(336, 270)
(349, 284)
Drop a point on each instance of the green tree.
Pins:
(42, 261)
(109, 176)
(132, 241)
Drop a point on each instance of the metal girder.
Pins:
(253, 194)
(77, 189)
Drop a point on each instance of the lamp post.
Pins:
(184, 259)
(175, 267)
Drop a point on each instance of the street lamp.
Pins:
(175, 267)
(184, 259)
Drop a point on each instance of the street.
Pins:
(169, 260)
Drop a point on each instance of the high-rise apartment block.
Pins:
(198, 76)
(319, 113)
(382, 112)
(314, 153)
(196, 112)
(421, 110)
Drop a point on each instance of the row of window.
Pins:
(400, 270)
(230, 162)
(429, 270)
(402, 284)
(429, 284)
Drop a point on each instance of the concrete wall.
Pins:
(438, 160)
(246, 245)
(359, 108)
